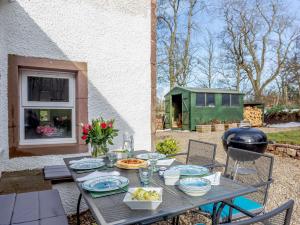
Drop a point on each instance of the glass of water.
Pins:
(128, 144)
(145, 175)
(153, 161)
(112, 158)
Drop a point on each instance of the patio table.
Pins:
(112, 211)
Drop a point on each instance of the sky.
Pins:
(210, 19)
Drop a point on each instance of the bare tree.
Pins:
(258, 35)
(175, 27)
(207, 61)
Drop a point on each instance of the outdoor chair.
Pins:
(201, 153)
(279, 216)
(249, 168)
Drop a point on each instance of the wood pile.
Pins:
(159, 123)
(254, 115)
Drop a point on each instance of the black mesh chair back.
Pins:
(201, 153)
(279, 216)
(250, 168)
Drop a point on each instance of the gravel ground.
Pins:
(286, 171)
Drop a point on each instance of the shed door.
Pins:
(185, 111)
(167, 112)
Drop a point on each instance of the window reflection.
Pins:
(48, 123)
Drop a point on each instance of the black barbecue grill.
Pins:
(247, 138)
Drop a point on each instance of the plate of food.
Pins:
(146, 198)
(151, 155)
(190, 170)
(131, 163)
(103, 184)
(88, 165)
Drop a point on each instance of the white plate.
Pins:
(190, 170)
(87, 165)
(103, 184)
(143, 205)
(147, 156)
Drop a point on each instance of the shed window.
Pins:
(210, 100)
(235, 100)
(225, 99)
(200, 99)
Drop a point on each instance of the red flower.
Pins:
(85, 131)
(110, 124)
(103, 125)
(90, 127)
(84, 137)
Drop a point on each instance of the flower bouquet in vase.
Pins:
(100, 133)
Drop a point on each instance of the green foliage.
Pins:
(286, 137)
(168, 146)
(281, 108)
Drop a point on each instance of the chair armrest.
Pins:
(270, 181)
(177, 154)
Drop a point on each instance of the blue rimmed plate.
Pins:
(87, 165)
(190, 170)
(194, 186)
(146, 156)
(103, 184)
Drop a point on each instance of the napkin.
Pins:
(214, 178)
(107, 193)
(165, 162)
(85, 160)
(97, 174)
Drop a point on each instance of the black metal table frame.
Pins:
(215, 217)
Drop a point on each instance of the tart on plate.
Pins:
(131, 163)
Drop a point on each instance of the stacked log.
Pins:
(253, 115)
(159, 124)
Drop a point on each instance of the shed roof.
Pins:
(207, 90)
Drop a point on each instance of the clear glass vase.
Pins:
(99, 150)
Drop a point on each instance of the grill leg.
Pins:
(78, 209)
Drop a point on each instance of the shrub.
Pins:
(168, 146)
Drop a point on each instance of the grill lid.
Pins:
(245, 135)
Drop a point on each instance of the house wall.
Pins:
(112, 37)
(202, 115)
(3, 72)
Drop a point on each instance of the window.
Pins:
(225, 99)
(210, 100)
(205, 99)
(235, 100)
(200, 99)
(47, 109)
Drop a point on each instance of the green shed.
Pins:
(187, 107)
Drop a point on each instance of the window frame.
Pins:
(201, 106)
(205, 100)
(230, 100)
(239, 102)
(47, 74)
(17, 62)
(25, 104)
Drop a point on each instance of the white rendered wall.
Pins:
(113, 37)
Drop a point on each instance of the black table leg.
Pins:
(214, 213)
(217, 213)
(78, 209)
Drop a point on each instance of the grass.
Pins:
(286, 137)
